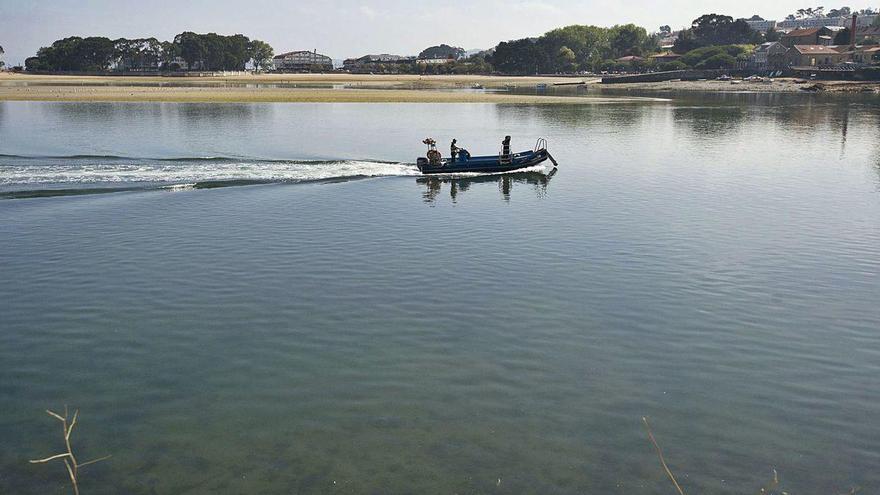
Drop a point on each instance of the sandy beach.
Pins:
(282, 88)
(368, 88)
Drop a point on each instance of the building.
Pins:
(769, 55)
(664, 57)
(629, 59)
(845, 21)
(377, 63)
(812, 22)
(302, 61)
(867, 33)
(667, 42)
(435, 61)
(808, 36)
(760, 25)
(816, 55)
(869, 54)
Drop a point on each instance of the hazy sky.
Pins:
(346, 28)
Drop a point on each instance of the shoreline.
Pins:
(779, 85)
(392, 88)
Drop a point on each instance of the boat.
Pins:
(465, 163)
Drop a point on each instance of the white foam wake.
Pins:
(185, 172)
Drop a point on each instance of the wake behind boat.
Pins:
(461, 161)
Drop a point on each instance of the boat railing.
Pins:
(540, 144)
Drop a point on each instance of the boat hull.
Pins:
(484, 164)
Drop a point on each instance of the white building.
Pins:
(813, 22)
(302, 61)
(761, 26)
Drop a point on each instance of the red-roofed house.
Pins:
(812, 55)
(809, 36)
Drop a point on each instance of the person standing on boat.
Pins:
(453, 150)
(505, 146)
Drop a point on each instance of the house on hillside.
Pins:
(867, 54)
(867, 33)
(815, 55)
(810, 23)
(760, 25)
(770, 55)
(808, 36)
(435, 61)
(664, 57)
(302, 61)
(629, 59)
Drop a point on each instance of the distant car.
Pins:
(725, 77)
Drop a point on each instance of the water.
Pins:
(338, 325)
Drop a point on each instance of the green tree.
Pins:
(627, 39)
(442, 51)
(567, 59)
(717, 61)
(685, 42)
(190, 47)
(715, 29)
(843, 37)
(261, 54)
(772, 35)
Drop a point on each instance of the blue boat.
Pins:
(465, 163)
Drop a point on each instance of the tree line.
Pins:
(572, 48)
(199, 52)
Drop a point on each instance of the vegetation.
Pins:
(443, 51)
(261, 54)
(715, 29)
(199, 52)
(571, 48)
(715, 57)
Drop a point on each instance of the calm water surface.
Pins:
(340, 325)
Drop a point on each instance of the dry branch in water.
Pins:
(660, 455)
(69, 459)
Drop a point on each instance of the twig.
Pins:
(660, 455)
(95, 460)
(68, 457)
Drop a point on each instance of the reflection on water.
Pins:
(505, 182)
(346, 337)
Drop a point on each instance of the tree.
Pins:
(685, 42)
(190, 47)
(261, 54)
(627, 39)
(698, 58)
(567, 59)
(843, 37)
(772, 35)
(2, 63)
(715, 29)
(717, 61)
(841, 12)
(442, 51)
(665, 30)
